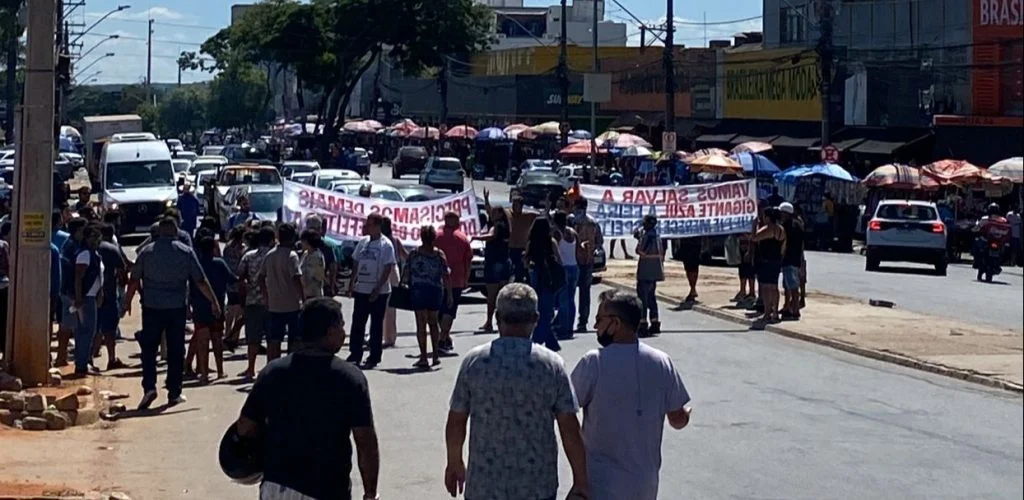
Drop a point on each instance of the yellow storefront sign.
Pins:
(771, 85)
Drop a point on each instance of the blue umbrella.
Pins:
(491, 134)
(763, 165)
(580, 134)
(826, 169)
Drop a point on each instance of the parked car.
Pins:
(512, 176)
(323, 177)
(212, 150)
(418, 192)
(444, 173)
(906, 231)
(536, 186)
(362, 160)
(264, 200)
(291, 167)
(409, 160)
(184, 155)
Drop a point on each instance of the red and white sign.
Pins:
(1000, 13)
(830, 154)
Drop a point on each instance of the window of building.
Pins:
(1011, 78)
(792, 24)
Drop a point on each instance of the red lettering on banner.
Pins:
(627, 196)
(607, 197)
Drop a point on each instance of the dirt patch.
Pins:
(19, 488)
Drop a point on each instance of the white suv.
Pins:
(906, 231)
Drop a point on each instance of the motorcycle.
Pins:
(989, 260)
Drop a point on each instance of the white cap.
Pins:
(786, 207)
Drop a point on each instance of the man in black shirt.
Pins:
(792, 260)
(304, 406)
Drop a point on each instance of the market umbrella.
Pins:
(404, 123)
(359, 127)
(425, 133)
(580, 134)
(625, 141)
(516, 127)
(610, 135)
(374, 124)
(461, 132)
(491, 134)
(581, 148)
(69, 131)
(1010, 168)
(897, 176)
(637, 151)
(700, 153)
(955, 172)
(716, 164)
(547, 128)
(756, 163)
(825, 169)
(752, 147)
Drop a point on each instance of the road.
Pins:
(957, 295)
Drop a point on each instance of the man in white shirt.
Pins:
(626, 389)
(370, 288)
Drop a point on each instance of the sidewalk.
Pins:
(980, 354)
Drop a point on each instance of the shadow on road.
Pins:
(918, 271)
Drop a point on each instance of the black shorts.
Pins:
(768, 272)
(234, 299)
(453, 310)
(257, 322)
(747, 271)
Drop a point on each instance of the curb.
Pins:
(885, 356)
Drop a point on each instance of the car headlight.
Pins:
(170, 203)
(114, 206)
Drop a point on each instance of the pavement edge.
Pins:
(885, 356)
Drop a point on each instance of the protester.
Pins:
(690, 250)
(792, 261)
(280, 281)
(513, 390)
(5, 278)
(547, 277)
(370, 287)
(304, 408)
(520, 223)
(154, 230)
(429, 292)
(69, 318)
(497, 266)
(164, 270)
(257, 320)
(243, 213)
(747, 271)
(209, 325)
(1014, 219)
(456, 247)
(88, 287)
(84, 198)
(591, 238)
(115, 274)
(327, 249)
(771, 246)
(188, 206)
(568, 243)
(391, 314)
(649, 271)
(312, 264)
(627, 389)
(233, 252)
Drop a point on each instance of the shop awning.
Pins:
(724, 138)
(740, 139)
(841, 145)
(886, 148)
(784, 141)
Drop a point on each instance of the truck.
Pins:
(96, 133)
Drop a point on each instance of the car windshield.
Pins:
(907, 212)
(324, 180)
(299, 167)
(204, 166)
(138, 174)
(212, 150)
(387, 194)
(447, 164)
(265, 202)
(250, 176)
(541, 177)
(180, 165)
(412, 152)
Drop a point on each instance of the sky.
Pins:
(182, 25)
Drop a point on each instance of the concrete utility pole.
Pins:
(442, 88)
(826, 53)
(29, 321)
(563, 73)
(149, 63)
(670, 67)
(61, 42)
(593, 105)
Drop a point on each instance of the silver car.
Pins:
(444, 173)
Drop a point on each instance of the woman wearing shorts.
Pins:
(429, 292)
(771, 246)
(497, 266)
(208, 326)
(233, 253)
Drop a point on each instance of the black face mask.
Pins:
(605, 339)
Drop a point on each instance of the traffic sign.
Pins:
(668, 142)
(830, 154)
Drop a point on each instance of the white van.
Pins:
(138, 179)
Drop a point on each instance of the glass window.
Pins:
(907, 212)
(792, 24)
(1011, 78)
(137, 174)
(265, 202)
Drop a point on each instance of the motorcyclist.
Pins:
(993, 231)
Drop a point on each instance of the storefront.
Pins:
(538, 99)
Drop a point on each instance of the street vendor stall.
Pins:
(806, 188)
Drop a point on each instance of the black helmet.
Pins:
(241, 459)
(993, 209)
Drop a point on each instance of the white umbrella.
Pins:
(637, 151)
(1010, 168)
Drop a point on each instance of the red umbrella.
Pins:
(955, 172)
(700, 153)
(461, 132)
(626, 141)
(581, 148)
(425, 133)
(896, 176)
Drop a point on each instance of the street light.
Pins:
(111, 37)
(92, 76)
(100, 20)
(98, 59)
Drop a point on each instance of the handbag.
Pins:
(401, 298)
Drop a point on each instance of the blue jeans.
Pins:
(85, 332)
(584, 282)
(646, 290)
(542, 334)
(567, 301)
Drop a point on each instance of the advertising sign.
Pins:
(772, 85)
(344, 215)
(997, 51)
(638, 84)
(682, 211)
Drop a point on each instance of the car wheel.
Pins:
(871, 263)
(941, 268)
(395, 174)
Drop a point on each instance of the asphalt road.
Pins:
(773, 418)
(958, 295)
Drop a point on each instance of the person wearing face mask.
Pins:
(627, 390)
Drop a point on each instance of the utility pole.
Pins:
(60, 41)
(442, 88)
(563, 74)
(28, 324)
(149, 63)
(11, 44)
(670, 68)
(825, 51)
(593, 105)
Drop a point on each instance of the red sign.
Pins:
(830, 154)
(996, 56)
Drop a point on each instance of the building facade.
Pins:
(520, 27)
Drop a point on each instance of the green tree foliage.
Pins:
(236, 98)
(150, 115)
(183, 110)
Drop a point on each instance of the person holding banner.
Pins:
(771, 247)
(649, 271)
(547, 277)
(370, 288)
(497, 266)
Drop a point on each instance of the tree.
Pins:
(236, 98)
(150, 115)
(183, 110)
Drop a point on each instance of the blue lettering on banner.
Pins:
(680, 228)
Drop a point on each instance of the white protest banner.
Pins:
(344, 214)
(683, 211)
